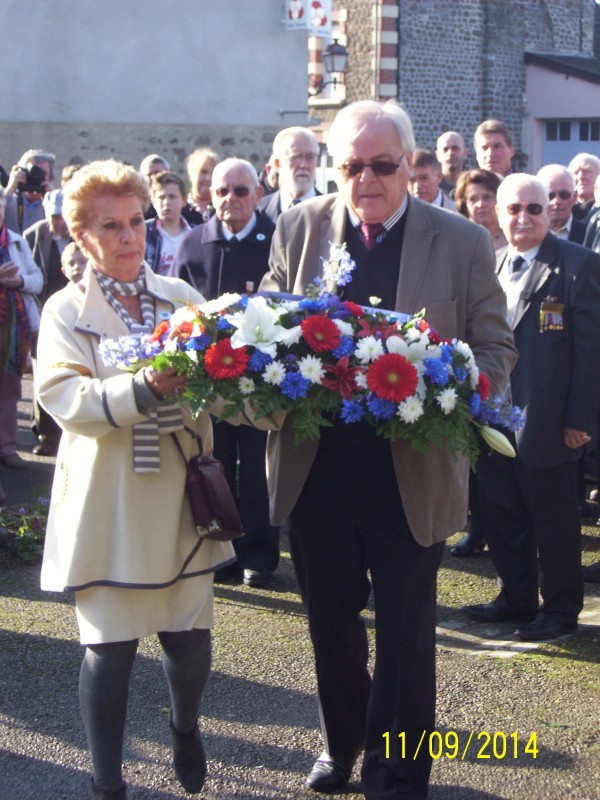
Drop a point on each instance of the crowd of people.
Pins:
(506, 261)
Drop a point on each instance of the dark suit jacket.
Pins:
(212, 265)
(271, 204)
(592, 233)
(446, 266)
(557, 378)
(578, 229)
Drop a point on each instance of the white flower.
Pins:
(374, 300)
(497, 441)
(447, 400)
(368, 349)
(183, 314)
(410, 409)
(192, 355)
(246, 385)
(344, 327)
(360, 379)
(311, 368)
(258, 326)
(170, 346)
(474, 375)
(274, 373)
(396, 344)
(219, 304)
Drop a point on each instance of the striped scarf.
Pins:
(15, 333)
(167, 417)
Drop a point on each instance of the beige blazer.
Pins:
(447, 267)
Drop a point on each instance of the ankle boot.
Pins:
(189, 759)
(116, 794)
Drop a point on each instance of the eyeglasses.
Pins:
(563, 194)
(379, 168)
(238, 191)
(298, 158)
(533, 209)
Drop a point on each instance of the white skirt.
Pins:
(113, 614)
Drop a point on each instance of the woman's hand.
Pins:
(9, 276)
(166, 383)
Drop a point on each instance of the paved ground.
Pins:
(260, 718)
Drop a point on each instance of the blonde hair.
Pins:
(196, 160)
(100, 178)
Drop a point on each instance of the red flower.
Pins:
(392, 377)
(224, 361)
(343, 378)
(354, 308)
(182, 332)
(381, 330)
(483, 386)
(160, 331)
(320, 333)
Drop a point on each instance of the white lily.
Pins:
(258, 326)
(497, 441)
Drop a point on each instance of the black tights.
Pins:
(104, 688)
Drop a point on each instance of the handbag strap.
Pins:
(192, 433)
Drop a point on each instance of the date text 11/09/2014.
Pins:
(451, 744)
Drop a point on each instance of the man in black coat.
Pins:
(560, 183)
(230, 253)
(530, 503)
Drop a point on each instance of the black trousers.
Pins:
(528, 512)
(345, 526)
(242, 451)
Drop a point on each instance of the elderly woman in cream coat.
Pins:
(120, 531)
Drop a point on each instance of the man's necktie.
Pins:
(370, 231)
(294, 202)
(516, 264)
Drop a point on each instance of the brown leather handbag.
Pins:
(213, 506)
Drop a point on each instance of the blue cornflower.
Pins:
(381, 409)
(223, 324)
(436, 371)
(447, 351)
(460, 373)
(475, 405)
(312, 306)
(294, 386)
(516, 419)
(345, 348)
(258, 361)
(198, 342)
(352, 411)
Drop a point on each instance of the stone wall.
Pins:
(131, 142)
(462, 62)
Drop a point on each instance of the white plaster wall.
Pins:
(143, 61)
(553, 95)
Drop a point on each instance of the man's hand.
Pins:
(18, 175)
(574, 438)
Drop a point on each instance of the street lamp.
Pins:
(335, 59)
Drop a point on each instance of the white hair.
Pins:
(357, 115)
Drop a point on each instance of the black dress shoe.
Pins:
(258, 577)
(469, 545)
(45, 447)
(591, 574)
(231, 574)
(329, 774)
(489, 612)
(543, 628)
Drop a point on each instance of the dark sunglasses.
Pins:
(238, 191)
(533, 209)
(563, 194)
(355, 168)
